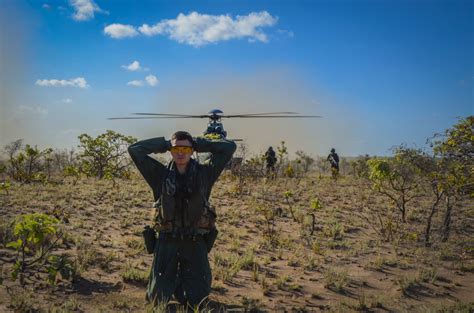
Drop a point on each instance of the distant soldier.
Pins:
(270, 159)
(333, 158)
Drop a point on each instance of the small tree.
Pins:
(239, 169)
(397, 177)
(254, 166)
(72, 171)
(305, 160)
(106, 155)
(455, 149)
(27, 164)
(315, 206)
(431, 175)
(282, 153)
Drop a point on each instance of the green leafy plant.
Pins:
(288, 195)
(36, 236)
(316, 205)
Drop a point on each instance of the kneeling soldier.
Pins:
(184, 219)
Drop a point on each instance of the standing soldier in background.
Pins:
(333, 158)
(184, 230)
(270, 160)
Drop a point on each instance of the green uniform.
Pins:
(180, 264)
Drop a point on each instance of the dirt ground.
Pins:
(269, 255)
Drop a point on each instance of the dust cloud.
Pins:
(264, 90)
(14, 62)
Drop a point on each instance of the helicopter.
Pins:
(215, 128)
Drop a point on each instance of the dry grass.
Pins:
(264, 258)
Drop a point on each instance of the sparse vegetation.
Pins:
(135, 275)
(295, 242)
(335, 280)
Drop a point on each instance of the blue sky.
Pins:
(381, 73)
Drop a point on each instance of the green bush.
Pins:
(36, 236)
(106, 155)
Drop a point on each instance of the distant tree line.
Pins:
(103, 157)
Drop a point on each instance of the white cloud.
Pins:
(157, 29)
(200, 29)
(134, 67)
(46, 6)
(136, 83)
(33, 109)
(78, 82)
(84, 9)
(118, 31)
(152, 80)
(67, 100)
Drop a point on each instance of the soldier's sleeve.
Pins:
(152, 170)
(221, 153)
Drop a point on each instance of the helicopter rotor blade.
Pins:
(258, 114)
(172, 115)
(146, 117)
(224, 116)
(278, 116)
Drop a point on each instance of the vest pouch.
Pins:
(195, 209)
(149, 235)
(165, 209)
(208, 218)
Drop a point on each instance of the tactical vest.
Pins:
(185, 215)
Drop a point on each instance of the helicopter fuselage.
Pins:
(215, 127)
